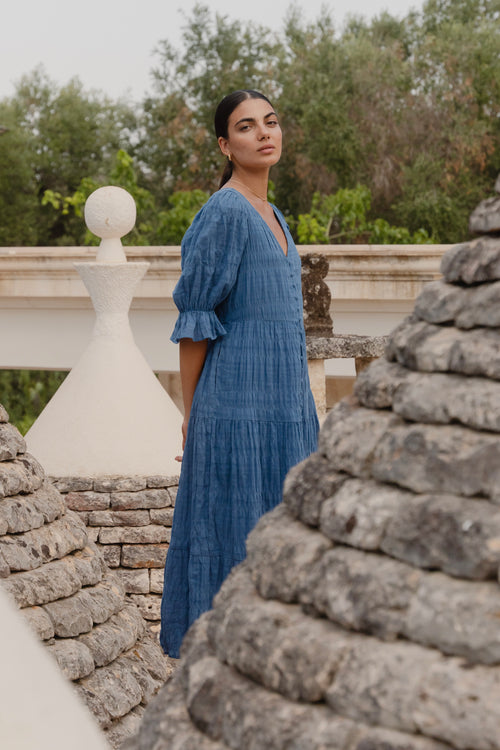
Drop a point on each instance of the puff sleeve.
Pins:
(210, 256)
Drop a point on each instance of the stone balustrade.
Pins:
(46, 316)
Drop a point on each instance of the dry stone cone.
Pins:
(70, 598)
(367, 613)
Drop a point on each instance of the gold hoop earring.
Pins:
(229, 157)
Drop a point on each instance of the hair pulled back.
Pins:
(223, 112)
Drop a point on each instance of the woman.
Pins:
(249, 412)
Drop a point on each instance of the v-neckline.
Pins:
(283, 252)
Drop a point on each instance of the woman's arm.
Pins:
(191, 360)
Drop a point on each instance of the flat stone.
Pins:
(105, 598)
(113, 687)
(48, 501)
(486, 217)
(120, 484)
(459, 705)
(24, 512)
(307, 485)
(448, 532)
(445, 459)
(482, 309)
(439, 302)
(472, 262)
(382, 684)
(361, 591)
(152, 534)
(280, 553)
(11, 441)
(93, 533)
(467, 307)
(39, 621)
(72, 484)
(144, 555)
(153, 498)
(51, 542)
(156, 576)
(95, 703)
(428, 348)
(162, 481)
(359, 513)
(457, 617)
(124, 728)
(134, 581)
(112, 554)
(149, 605)
(18, 514)
(4, 416)
(345, 346)
(49, 582)
(23, 474)
(351, 436)
(150, 654)
(118, 634)
(375, 386)
(70, 616)
(119, 518)
(89, 564)
(88, 500)
(431, 398)
(74, 658)
(163, 516)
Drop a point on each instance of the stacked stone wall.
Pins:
(130, 520)
(57, 576)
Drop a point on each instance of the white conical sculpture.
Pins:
(111, 415)
(38, 706)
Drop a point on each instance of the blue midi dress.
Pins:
(253, 416)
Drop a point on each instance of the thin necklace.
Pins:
(235, 179)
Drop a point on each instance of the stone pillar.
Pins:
(316, 296)
(317, 320)
(110, 416)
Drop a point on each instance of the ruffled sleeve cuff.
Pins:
(197, 325)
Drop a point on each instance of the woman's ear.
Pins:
(224, 146)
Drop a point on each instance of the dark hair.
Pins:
(223, 112)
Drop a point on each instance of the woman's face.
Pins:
(253, 135)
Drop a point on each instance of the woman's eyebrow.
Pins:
(252, 119)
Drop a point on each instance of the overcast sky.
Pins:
(108, 44)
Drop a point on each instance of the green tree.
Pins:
(24, 393)
(66, 133)
(217, 56)
(343, 218)
(18, 191)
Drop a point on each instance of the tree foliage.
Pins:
(24, 393)
(408, 108)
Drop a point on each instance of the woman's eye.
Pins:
(272, 122)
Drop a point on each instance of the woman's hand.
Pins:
(184, 435)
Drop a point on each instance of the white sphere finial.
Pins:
(110, 213)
